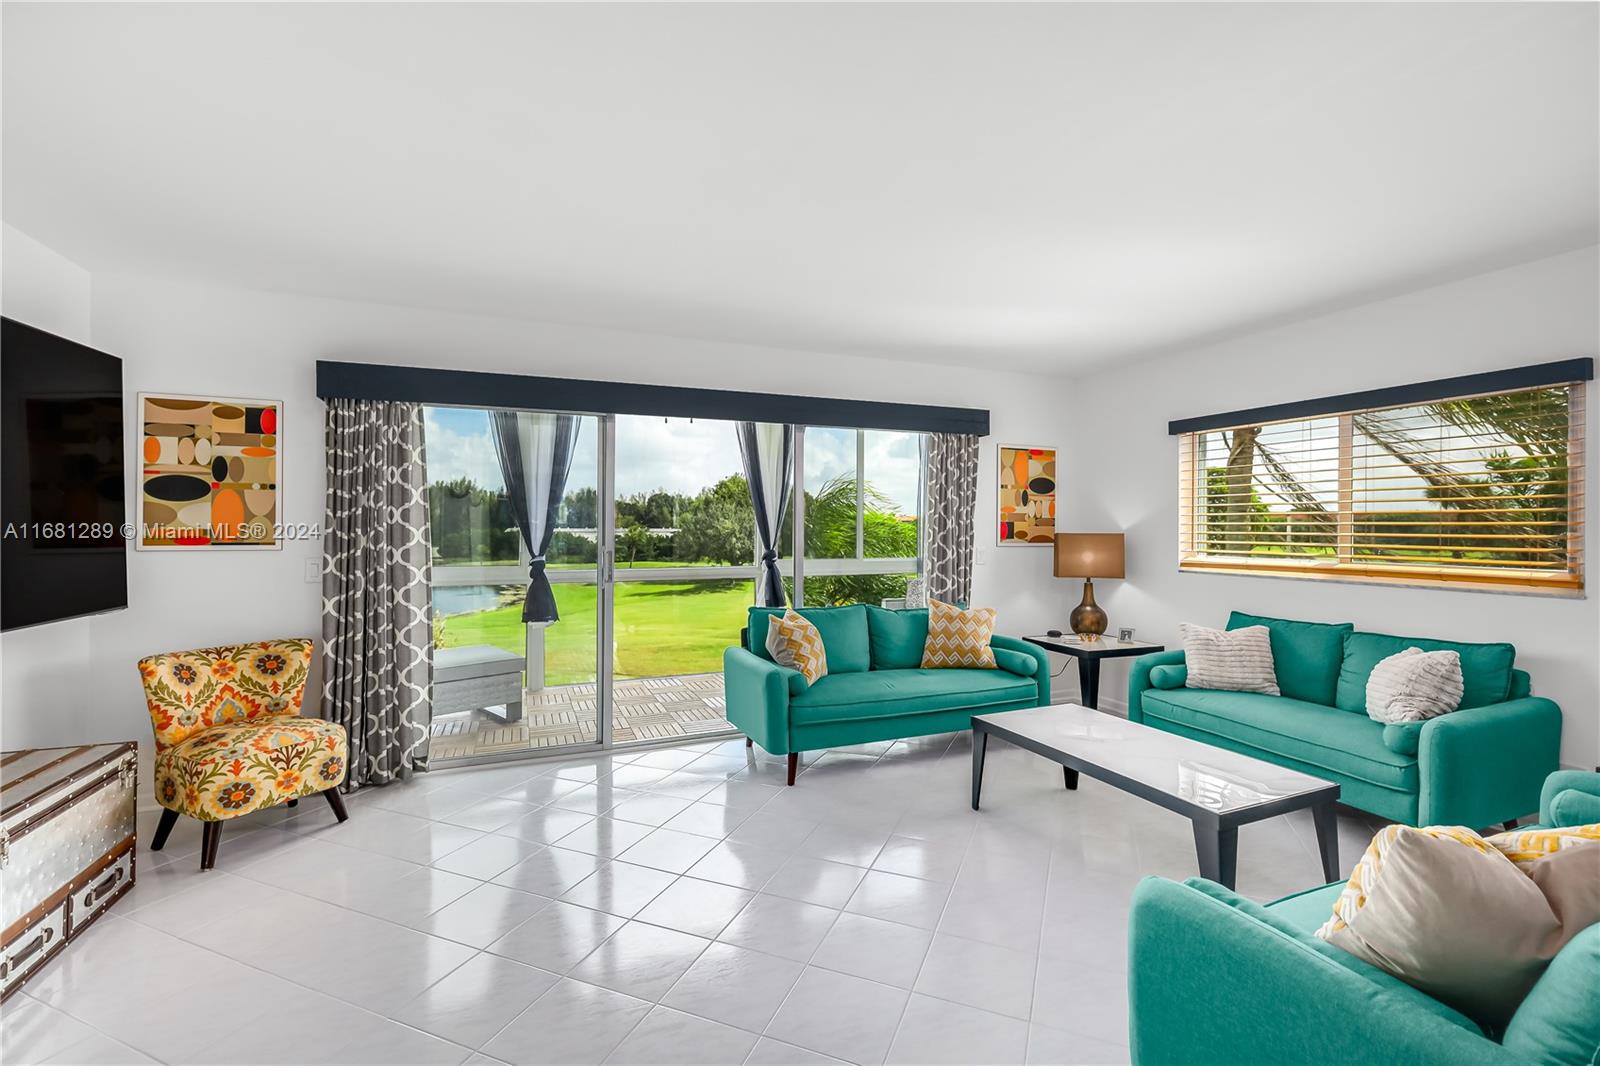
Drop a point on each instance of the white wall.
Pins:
(212, 340)
(1539, 312)
(74, 681)
(44, 683)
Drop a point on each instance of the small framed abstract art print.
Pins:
(1027, 496)
(210, 472)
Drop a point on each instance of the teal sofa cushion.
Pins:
(1307, 911)
(1305, 655)
(1309, 733)
(888, 693)
(1215, 981)
(1172, 675)
(1403, 737)
(897, 637)
(844, 635)
(1280, 921)
(1564, 798)
(1573, 807)
(1559, 1021)
(1485, 668)
(1014, 662)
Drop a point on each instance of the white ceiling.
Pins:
(1036, 186)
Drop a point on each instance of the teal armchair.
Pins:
(1216, 978)
(1478, 766)
(875, 688)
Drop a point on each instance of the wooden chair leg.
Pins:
(336, 801)
(210, 838)
(163, 830)
(794, 765)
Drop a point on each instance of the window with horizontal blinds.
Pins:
(1480, 491)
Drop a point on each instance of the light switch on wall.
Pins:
(313, 571)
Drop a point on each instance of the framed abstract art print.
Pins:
(1027, 496)
(210, 472)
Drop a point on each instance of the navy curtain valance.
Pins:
(471, 388)
(1525, 377)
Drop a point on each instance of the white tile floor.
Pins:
(676, 905)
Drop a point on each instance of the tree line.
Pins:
(715, 526)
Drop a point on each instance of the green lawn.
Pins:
(662, 628)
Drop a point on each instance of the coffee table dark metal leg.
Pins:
(1327, 839)
(1217, 848)
(980, 746)
(1070, 776)
(1089, 682)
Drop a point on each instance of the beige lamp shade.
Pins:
(1089, 555)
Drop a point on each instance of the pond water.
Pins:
(465, 599)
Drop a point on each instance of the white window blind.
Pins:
(1483, 490)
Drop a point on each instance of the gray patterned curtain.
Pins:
(950, 474)
(377, 612)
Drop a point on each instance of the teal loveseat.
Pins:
(1215, 978)
(874, 688)
(1477, 766)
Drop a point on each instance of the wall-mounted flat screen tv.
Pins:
(62, 489)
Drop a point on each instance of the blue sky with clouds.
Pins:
(678, 454)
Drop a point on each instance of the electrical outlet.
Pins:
(313, 571)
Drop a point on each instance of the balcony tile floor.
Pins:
(654, 708)
(672, 905)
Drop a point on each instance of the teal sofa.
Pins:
(874, 688)
(1477, 766)
(1215, 978)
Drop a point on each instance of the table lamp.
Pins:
(1089, 555)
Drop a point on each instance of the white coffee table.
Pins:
(1216, 789)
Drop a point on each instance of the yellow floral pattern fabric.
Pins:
(229, 736)
(230, 770)
(187, 691)
(958, 638)
(794, 642)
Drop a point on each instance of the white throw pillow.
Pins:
(1414, 685)
(1231, 660)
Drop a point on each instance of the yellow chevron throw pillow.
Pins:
(1447, 912)
(796, 643)
(1527, 847)
(958, 638)
(1565, 864)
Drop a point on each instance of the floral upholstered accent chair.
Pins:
(230, 739)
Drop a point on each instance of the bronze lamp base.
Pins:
(1088, 621)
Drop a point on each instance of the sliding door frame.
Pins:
(605, 577)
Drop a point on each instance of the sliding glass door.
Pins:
(684, 577)
(651, 560)
(503, 686)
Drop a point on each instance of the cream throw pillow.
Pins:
(1229, 660)
(794, 642)
(958, 638)
(1414, 685)
(1444, 910)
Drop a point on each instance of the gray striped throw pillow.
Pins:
(1414, 685)
(1231, 660)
